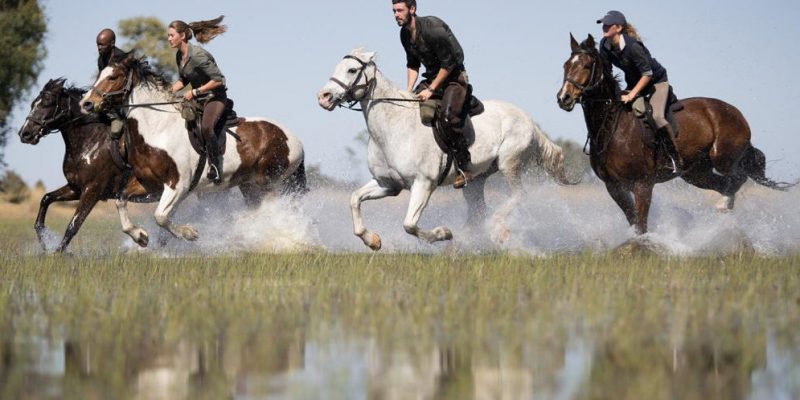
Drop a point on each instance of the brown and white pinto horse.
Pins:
(714, 140)
(91, 173)
(264, 158)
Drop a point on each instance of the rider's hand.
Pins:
(188, 96)
(425, 94)
(627, 98)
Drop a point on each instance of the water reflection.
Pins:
(323, 360)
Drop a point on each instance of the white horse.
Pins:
(262, 159)
(402, 152)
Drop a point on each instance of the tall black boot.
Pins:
(668, 138)
(462, 157)
(214, 165)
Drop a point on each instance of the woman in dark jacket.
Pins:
(622, 47)
(197, 67)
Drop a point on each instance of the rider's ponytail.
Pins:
(203, 31)
(630, 30)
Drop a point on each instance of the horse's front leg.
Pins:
(371, 191)
(89, 197)
(421, 192)
(64, 193)
(642, 196)
(623, 198)
(170, 199)
(136, 233)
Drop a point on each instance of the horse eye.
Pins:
(352, 71)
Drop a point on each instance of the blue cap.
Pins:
(613, 18)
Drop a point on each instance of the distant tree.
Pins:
(22, 29)
(13, 189)
(149, 35)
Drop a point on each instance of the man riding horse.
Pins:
(429, 41)
(109, 53)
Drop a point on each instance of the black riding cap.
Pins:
(613, 17)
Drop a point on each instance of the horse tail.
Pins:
(754, 164)
(551, 156)
(295, 184)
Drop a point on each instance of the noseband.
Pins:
(58, 113)
(122, 93)
(349, 91)
(590, 86)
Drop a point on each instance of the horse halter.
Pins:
(590, 86)
(349, 91)
(123, 93)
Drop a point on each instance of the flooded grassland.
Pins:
(453, 325)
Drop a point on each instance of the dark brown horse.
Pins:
(713, 140)
(91, 173)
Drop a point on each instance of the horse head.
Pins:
(583, 72)
(114, 84)
(351, 81)
(49, 111)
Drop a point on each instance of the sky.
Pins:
(276, 55)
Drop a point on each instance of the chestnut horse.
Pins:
(91, 173)
(261, 158)
(713, 140)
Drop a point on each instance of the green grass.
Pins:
(656, 327)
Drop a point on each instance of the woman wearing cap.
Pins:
(622, 47)
(198, 67)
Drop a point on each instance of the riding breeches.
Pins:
(453, 114)
(659, 103)
(212, 115)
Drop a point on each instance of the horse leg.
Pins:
(253, 195)
(623, 198)
(64, 193)
(727, 186)
(421, 191)
(89, 198)
(514, 180)
(136, 233)
(642, 196)
(371, 191)
(476, 204)
(169, 200)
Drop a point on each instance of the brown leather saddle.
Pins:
(192, 112)
(648, 124)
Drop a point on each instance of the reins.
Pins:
(368, 87)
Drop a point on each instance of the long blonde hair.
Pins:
(630, 30)
(203, 31)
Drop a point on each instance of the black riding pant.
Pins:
(212, 115)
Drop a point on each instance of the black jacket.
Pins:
(436, 47)
(634, 60)
(116, 55)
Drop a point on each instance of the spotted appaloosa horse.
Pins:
(713, 140)
(263, 158)
(402, 152)
(88, 166)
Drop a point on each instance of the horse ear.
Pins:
(590, 41)
(572, 42)
(369, 56)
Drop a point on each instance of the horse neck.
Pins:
(380, 114)
(600, 109)
(144, 94)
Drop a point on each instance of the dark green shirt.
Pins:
(436, 47)
(200, 68)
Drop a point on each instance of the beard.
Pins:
(404, 22)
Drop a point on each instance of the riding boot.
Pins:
(117, 124)
(463, 158)
(214, 165)
(668, 137)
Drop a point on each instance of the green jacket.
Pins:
(200, 68)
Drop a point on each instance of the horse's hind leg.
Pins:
(253, 195)
(421, 191)
(642, 197)
(371, 191)
(514, 179)
(476, 204)
(727, 186)
(623, 198)
(88, 199)
(169, 200)
(64, 193)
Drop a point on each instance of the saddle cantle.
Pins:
(192, 112)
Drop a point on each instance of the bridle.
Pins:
(367, 86)
(46, 125)
(591, 85)
(123, 93)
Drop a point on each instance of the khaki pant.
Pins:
(659, 103)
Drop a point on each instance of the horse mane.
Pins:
(144, 73)
(612, 81)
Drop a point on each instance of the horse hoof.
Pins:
(189, 233)
(503, 235)
(446, 234)
(373, 241)
(725, 204)
(143, 239)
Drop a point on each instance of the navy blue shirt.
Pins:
(634, 60)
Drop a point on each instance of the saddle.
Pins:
(192, 112)
(643, 110)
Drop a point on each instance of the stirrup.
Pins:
(217, 178)
(463, 175)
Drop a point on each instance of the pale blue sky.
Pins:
(276, 56)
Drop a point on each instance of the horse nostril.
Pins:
(87, 106)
